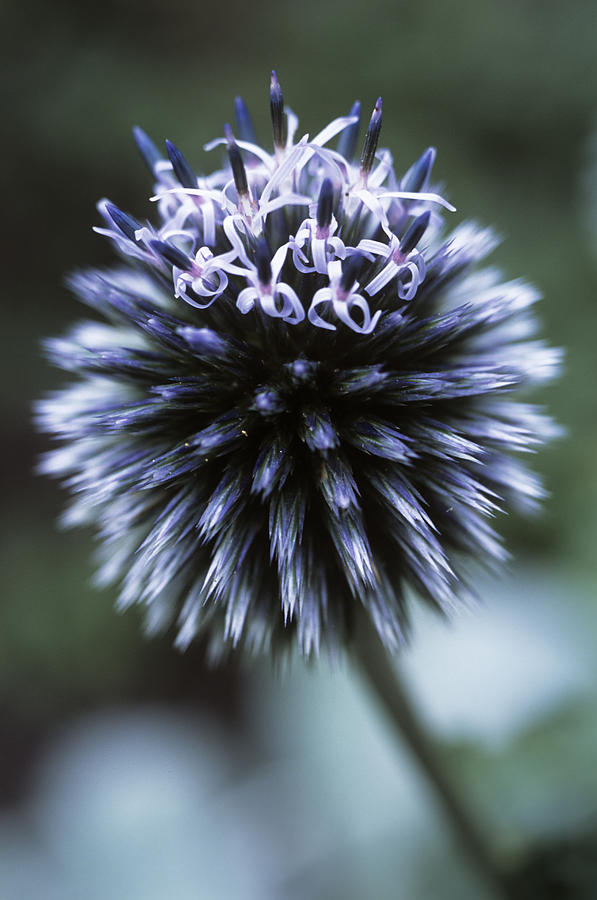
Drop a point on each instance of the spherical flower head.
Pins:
(297, 403)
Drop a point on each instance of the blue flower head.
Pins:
(297, 400)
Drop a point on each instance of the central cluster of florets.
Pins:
(243, 230)
(297, 402)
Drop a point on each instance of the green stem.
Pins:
(386, 684)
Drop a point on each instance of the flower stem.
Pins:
(386, 684)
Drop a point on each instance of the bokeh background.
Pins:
(129, 770)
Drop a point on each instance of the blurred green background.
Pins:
(129, 770)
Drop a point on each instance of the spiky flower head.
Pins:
(298, 402)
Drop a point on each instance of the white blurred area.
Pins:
(148, 805)
(129, 804)
(493, 670)
(153, 803)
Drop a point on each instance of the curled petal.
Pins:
(320, 256)
(322, 296)
(285, 200)
(181, 291)
(255, 149)
(278, 260)
(335, 270)
(382, 278)
(291, 308)
(301, 263)
(124, 244)
(343, 309)
(284, 170)
(230, 226)
(331, 158)
(186, 238)
(373, 203)
(298, 313)
(203, 194)
(246, 299)
(408, 288)
(338, 247)
(334, 128)
(199, 284)
(376, 247)
(379, 174)
(428, 198)
(303, 232)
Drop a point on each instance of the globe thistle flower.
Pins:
(298, 401)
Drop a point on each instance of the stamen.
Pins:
(244, 123)
(371, 139)
(172, 254)
(148, 150)
(182, 169)
(417, 177)
(325, 204)
(347, 143)
(262, 262)
(236, 164)
(124, 222)
(276, 101)
(414, 233)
